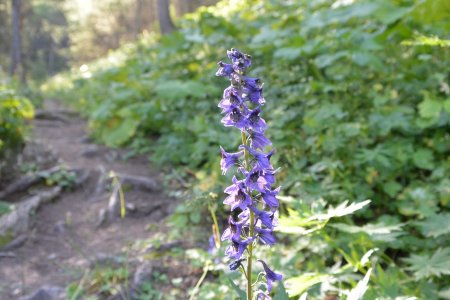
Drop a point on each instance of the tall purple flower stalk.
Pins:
(252, 197)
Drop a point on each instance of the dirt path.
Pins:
(65, 235)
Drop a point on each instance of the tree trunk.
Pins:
(165, 21)
(16, 43)
(137, 26)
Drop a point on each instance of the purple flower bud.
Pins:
(224, 69)
(236, 264)
(240, 60)
(271, 276)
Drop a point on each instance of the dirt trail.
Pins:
(64, 236)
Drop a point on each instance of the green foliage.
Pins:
(354, 113)
(14, 111)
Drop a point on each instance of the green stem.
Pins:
(252, 220)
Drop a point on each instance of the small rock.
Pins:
(91, 151)
(47, 293)
(130, 206)
(86, 139)
(59, 227)
(106, 260)
(52, 256)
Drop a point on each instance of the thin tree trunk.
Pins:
(165, 21)
(16, 43)
(137, 19)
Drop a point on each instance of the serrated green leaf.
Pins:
(436, 225)
(299, 284)
(425, 266)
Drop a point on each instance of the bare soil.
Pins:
(65, 235)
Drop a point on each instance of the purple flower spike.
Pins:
(229, 159)
(271, 276)
(251, 196)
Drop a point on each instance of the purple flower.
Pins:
(263, 216)
(240, 60)
(229, 159)
(262, 296)
(255, 122)
(224, 69)
(238, 196)
(255, 180)
(270, 197)
(271, 276)
(235, 118)
(266, 236)
(231, 99)
(234, 229)
(260, 159)
(237, 247)
(254, 96)
(259, 141)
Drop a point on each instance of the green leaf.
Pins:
(281, 293)
(425, 266)
(446, 106)
(121, 133)
(358, 292)
(300, 284)
(392, 188)
(423, 158)
(435, 225)
(430, 108)
(242, 295)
